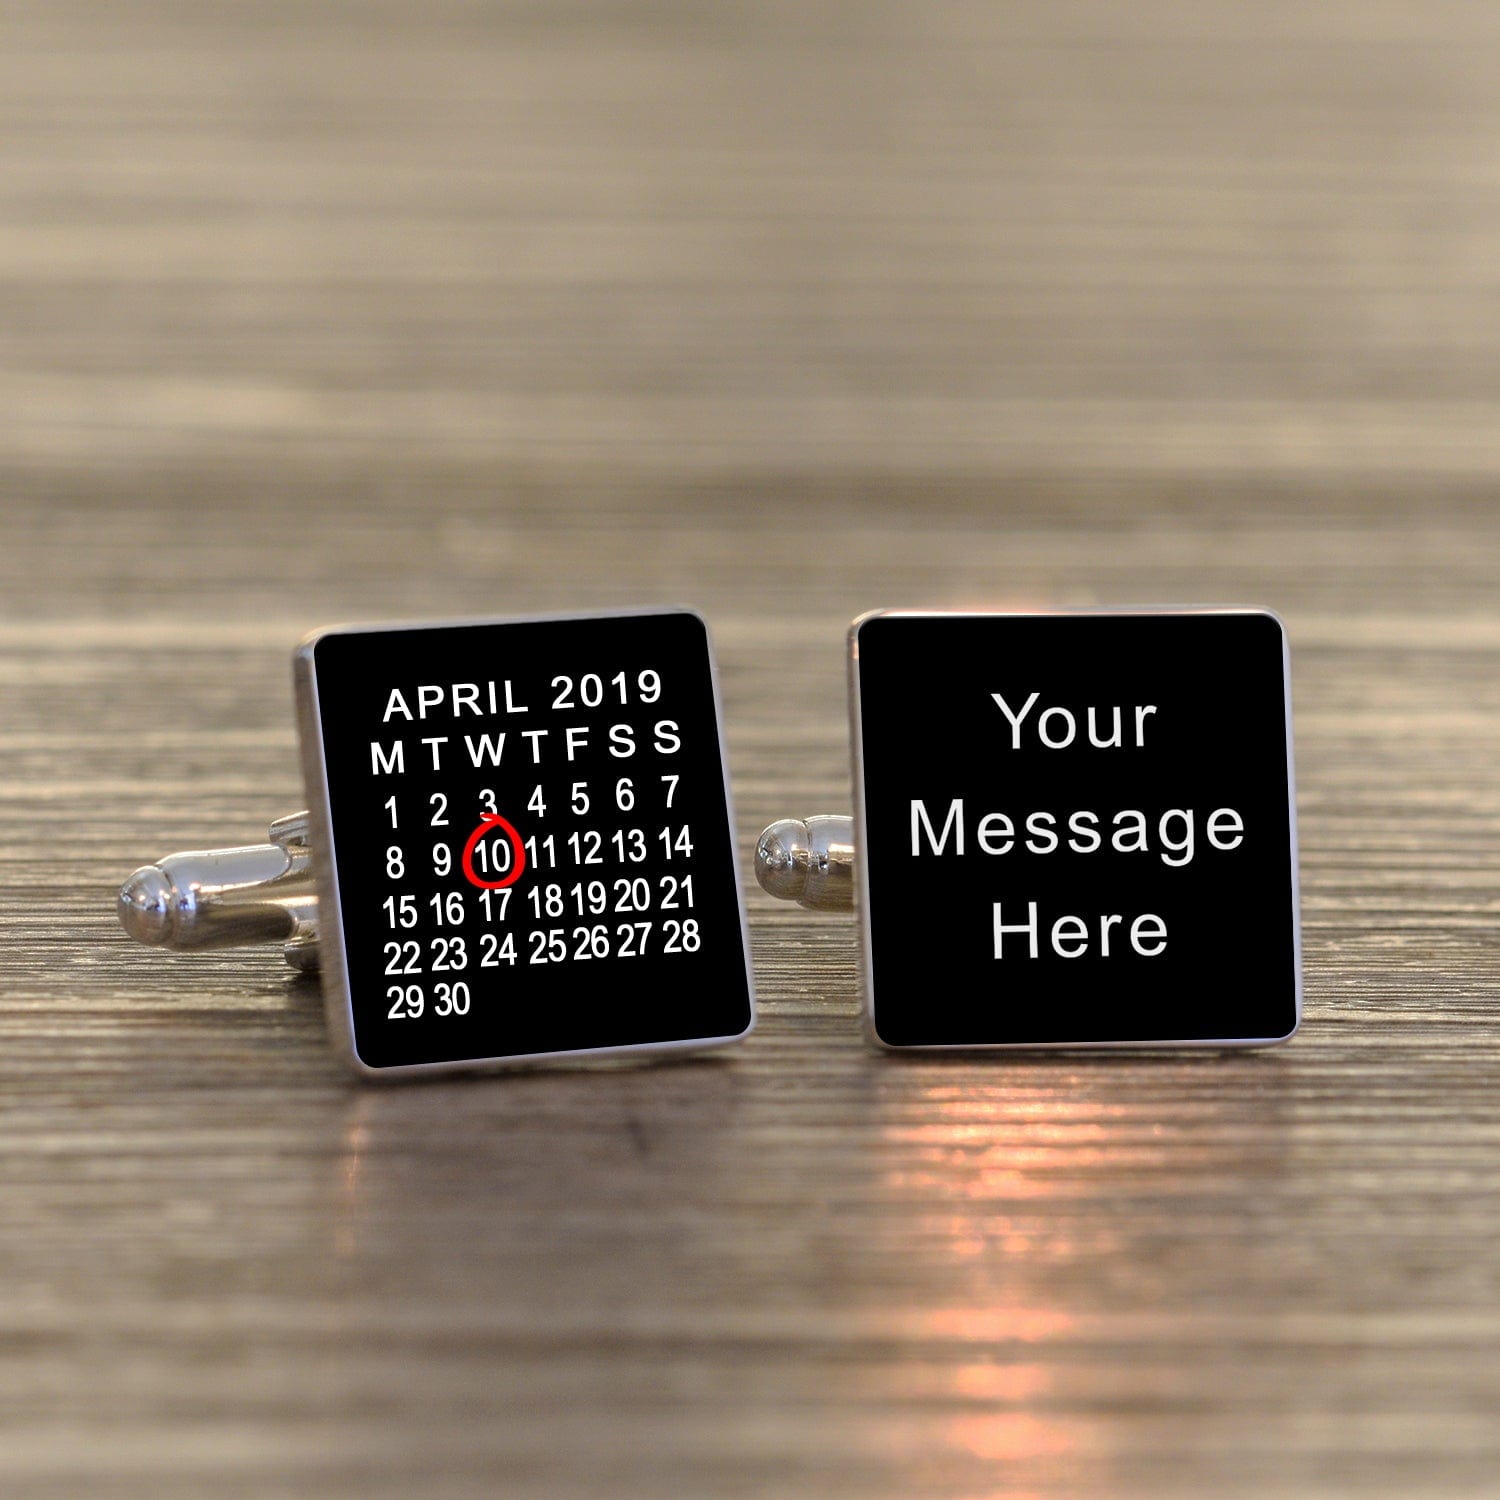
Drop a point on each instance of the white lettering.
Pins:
(1070, 930)
(1183, 847)
(996, 834)
(1139, 929)
(954, 821)
(1028, 927)
(1070, 936)
(386, 762)
(1172, 835)
(1114, 739)
(485, 749)
(462, 697)
(1105, 923)
(1070, 728)
(1234, 823)
(1057, 727)
(1015, 719)
(1041, 830)
(1085, 826)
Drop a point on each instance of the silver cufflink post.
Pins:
(809, 861)
(225, 898)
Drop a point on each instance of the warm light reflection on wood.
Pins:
(999, 1324)
(974, 1145)
(351, 1172)
(977, 1168)
(999, 1383)
(1009, 1437)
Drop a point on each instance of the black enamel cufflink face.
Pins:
(519, 846)
(1071, 829)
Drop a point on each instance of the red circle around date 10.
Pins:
(494, 823)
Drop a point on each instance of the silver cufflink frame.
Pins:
(822, 861)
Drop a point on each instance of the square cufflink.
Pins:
(1071, 829)
(519, 846)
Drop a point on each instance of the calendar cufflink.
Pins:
(1071, 829)
(519, 846)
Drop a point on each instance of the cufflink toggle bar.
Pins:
(809, 861)
(224, 898)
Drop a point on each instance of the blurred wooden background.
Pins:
(787, 310)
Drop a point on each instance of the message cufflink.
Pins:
(1071, 829)
(519, 847)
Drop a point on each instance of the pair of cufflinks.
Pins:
(1071, 829)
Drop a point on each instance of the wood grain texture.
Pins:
(312, 312)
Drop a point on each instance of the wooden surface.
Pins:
(785, 310)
